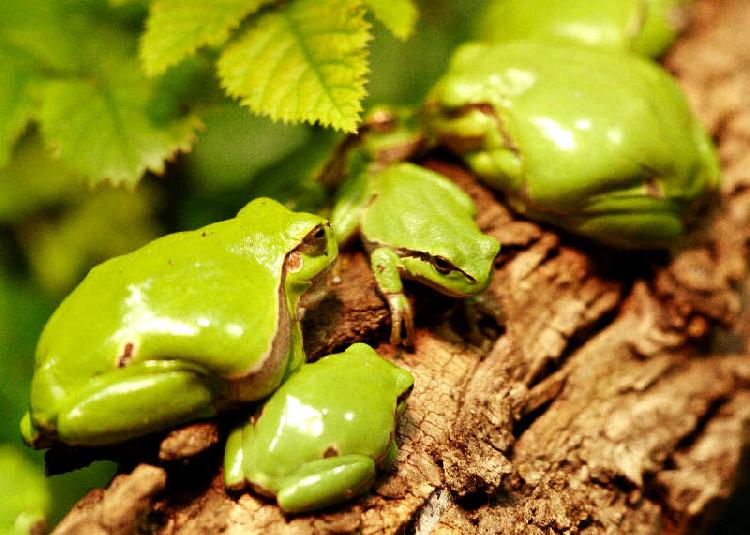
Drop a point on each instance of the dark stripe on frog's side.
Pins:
(427, 258)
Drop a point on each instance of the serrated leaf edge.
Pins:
(153, 71)
(360, 79)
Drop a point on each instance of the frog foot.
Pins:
(402, 320)
(126, 403)
(325, 482)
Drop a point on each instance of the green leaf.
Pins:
(399, 16)
(306, 62)
(34, 180)
(17, 103)
(34, 35)
(105, 132)
(175, 29)
(32, 45)
(104, 123)
(83, 83)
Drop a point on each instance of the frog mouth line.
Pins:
(430, 259)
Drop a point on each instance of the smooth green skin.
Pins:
(178, 329)
(24, 498)
(324, 433)
(418, 225)
(646, 27)
(599, 143)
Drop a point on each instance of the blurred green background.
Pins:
(54, 227)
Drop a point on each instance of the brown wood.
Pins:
(614, 397)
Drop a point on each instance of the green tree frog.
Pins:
(321, 437)
(178, 329)
(645, 27)
(602, 144)
(415, 224)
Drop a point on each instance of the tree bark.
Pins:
(612, 397)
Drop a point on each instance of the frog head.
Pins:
(454, 268)
(304, 242)
(423, 223)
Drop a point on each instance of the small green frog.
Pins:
(602, 144)
(415, 224)
(323, 434)
(178, 329)
(645, 27)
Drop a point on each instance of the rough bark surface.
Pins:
(612, 397)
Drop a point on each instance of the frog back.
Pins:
(604, 24)
(416, 210)
(646, 27)
(342, 404)
(577, 114)
(213, 296)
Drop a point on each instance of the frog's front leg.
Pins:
(385, 264)
(325, 482)
(133, 401)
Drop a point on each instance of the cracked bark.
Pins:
(613, 398)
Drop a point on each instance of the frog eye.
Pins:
(315, 242)
(319, 233)
(442, 264)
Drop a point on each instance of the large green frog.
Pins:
(178, 329)
(602, 144)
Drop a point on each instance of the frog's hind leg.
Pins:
(328, 481)
(138, 399)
